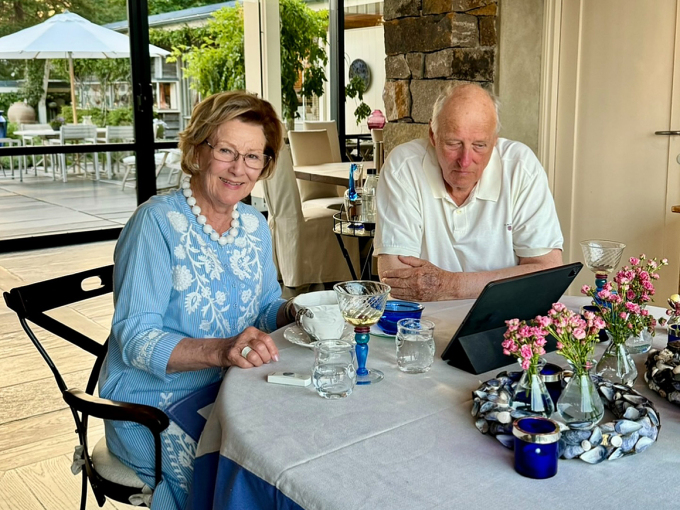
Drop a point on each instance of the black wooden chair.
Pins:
(107, 475)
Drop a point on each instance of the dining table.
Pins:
(408, 442)
(328, 173)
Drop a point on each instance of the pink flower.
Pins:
(579, 334)
(623, 315)
(560, 345)
(585, 289)
(543, 321)
(526, 364)
(526, 352)
(635, 261)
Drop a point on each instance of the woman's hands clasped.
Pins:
(251, 348)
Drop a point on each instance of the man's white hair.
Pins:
(446, 95)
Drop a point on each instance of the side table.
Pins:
(364, 231)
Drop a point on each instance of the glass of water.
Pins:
(334, 374)
(415, 345)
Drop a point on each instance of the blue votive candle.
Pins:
(551, 375)
(536, 447)
(674, 334)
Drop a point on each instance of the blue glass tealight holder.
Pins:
(536, 441)
(395, 310)
(551, 375)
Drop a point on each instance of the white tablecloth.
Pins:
(410, 442)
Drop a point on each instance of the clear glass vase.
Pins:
(616, 365)
(641, 343)
(580, 405)
(531, 392)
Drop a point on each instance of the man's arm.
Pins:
(415, 279)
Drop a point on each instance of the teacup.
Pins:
(318, 315)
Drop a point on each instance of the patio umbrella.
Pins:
(68, 36)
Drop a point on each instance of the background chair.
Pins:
(116, 134)
(77, 133)
(107, 475)
(310, 148)
(168, 168)
(34, 140)
(306, 249)
(331, 131)
(11, 142)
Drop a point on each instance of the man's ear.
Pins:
(432, 136)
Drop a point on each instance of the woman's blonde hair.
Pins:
(219, 108)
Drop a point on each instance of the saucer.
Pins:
(298, 337)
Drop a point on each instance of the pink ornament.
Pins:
(376, 120)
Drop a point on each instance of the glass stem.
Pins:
(362, 351)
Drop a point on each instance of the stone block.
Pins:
(430, 33)
(487, 31)
(470, 64)
(396, 133)
(424, 93)
(416, 63)
(397, 99)
(441, 6)
(396, 68)
(439, 64)
(487, 10)
(400, 8)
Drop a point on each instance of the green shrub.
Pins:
(120, 117)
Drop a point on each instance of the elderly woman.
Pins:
(195, 286)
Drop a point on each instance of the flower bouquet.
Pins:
(622, 307)
(579, 404)
(526, 343)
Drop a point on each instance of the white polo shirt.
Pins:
(509, 214)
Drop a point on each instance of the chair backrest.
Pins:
(78, 132)
(331, 131)
(281, 190)
(124, 133)
(34, 127)
(310, 147)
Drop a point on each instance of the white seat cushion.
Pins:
(327, 203)
(158, 159)
(111, 469)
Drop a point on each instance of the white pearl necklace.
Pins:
(229, 236)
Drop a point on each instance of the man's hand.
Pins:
(419, 281)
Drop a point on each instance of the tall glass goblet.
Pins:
(602, 257)
(362, 303)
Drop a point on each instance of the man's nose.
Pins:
(465, 158)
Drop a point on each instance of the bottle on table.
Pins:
(369, 205)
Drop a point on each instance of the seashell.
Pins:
(572, 450)
(647, 427)
(561, 446)
(607, 427)
(635, 399)
(585, 444)
(608, 393)
(612, 439)
(643, 444)
(574, 437)
(580, 425)
(493, 383)
(486, 407)
(504, 417)
(594, 456)
(563, 426)
(504, 397)
(629, 441)
(507, 440)
(662, 393)
(492, 397)
(616, 454)
(482, 426)
(496, 428)
(621, 387)
(475, 408)
(492, 416)
(626, 427)
(631, 414)
(674, 397)
(662, 366)
(519, 413)
(480, 393)
(596, 437)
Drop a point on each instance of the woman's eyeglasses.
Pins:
(254, 160)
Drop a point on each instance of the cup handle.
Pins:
(298, 321)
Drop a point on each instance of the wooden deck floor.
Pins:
(36, 428)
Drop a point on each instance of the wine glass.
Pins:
(602, 257)
(362, 303)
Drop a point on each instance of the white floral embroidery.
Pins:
(142, 357)
(206, 292)
(240, 242)
(220, 297)
(247, 294)
(180, 253)
(250, 223)
(178, 221)
(181, 451)
(181, 278)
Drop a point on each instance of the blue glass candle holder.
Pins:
(552, 378)
(395, 310)
(536, 441)
(674, 334)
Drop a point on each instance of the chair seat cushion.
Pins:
(326, 203)
(111, 469)
(130, 160)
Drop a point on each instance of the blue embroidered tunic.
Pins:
(172, 282)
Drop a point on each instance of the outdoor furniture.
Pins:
(11, 142)
(40, 132)
(109, 478)
(166, 158)
(408, 442)
(305, 248)
(76, 133)
(116, 134)
(313, 148)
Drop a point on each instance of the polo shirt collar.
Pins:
(488, 187)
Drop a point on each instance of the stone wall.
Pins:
(431, 44)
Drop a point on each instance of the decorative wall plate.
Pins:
(360, 68)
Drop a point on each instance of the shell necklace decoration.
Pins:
(229, 236)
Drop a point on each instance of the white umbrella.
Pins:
(68, 36)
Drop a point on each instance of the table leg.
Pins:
(345, 254)
(367, 268)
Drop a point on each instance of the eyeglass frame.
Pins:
(238, 155)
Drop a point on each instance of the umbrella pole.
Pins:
(72, 76)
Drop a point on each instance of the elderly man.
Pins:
(465, 208)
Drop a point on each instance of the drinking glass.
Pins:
(415, 345)
(334, 374)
